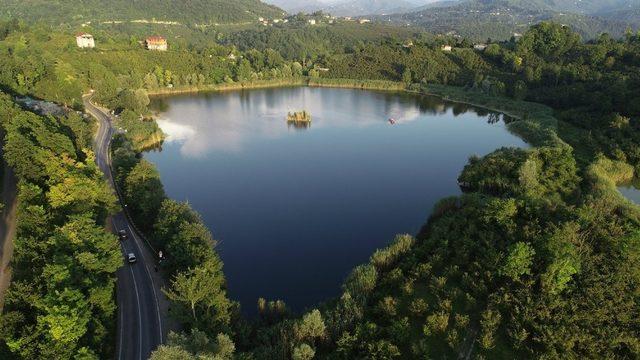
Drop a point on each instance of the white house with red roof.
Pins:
(157, 43)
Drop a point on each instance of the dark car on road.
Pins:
(122, 234)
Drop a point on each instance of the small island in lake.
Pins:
(299, 116)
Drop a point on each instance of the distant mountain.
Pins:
(351, 7)
(630, 15)
(579, 6)
(379, 7)
(184, 11)
(370, 7)
(438, 4)
(500, 19)
(296, 6)
(584, 7)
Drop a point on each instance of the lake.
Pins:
(294, 208)
(631, 191)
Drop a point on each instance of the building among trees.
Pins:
(479, 47)
(157, 43)
(85, 40)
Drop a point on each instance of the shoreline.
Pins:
(535, 123)
(381, 85)
(533, 120)
(343, 83)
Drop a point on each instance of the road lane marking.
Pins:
(135, 287)
(121, 332)
(104, 132)
(124, 251)
(155, 295)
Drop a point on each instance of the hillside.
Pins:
(295, 6)
(352, 7)
(188, 11)
(342, 37)
(368, 7)
(630, 15)
(581, 6)
(481, 19)
(379, 7)
(572, 6)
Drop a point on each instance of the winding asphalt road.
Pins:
(140, 324)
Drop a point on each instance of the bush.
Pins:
(361, 281)
(382, 259)
(311, 327)
(303, 352)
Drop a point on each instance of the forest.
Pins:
(61, 300)
(538, 258)
(194, 11)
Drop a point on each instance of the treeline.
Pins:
(395, 62)
(356, 84)
(196, 11)
(298, 41)
(60, 304)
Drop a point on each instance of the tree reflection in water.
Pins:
(299, 125)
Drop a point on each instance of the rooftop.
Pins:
(156, 39)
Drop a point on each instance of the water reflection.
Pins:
(295, 209)
(299, 125)
(216, 122)
(631, 190)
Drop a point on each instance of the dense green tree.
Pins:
(518, 261)
(144, 193)
(200, 292)
(196, 345)
(311, 327)
(171, 216)
(303, 352)
(165, 352)
(134, 100)
(549, 40)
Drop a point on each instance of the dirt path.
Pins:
(7, 227)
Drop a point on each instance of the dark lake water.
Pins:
(295, 209)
